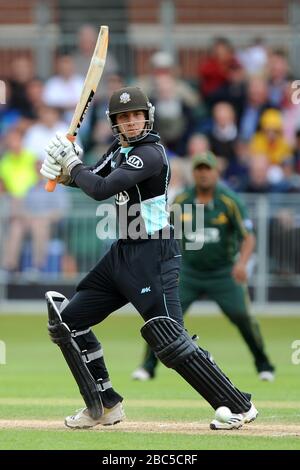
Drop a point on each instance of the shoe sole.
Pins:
(213, 427)
(93, 426)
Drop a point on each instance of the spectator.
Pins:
(296, 155)
(256, 103)
(278, 77)
(290, 114)
(21, 73)
(163, 64)
(63, 90)
(223, 135)
(270, 140)
(174, 118)
(87, 37)
(179, 178)
(197, 143)
(36, 138)
(17, 166)
(262, 178)
(34, 93)
(9, 116)
(254, 58)
(215, 71)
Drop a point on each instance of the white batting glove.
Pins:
(52, 170)
(65, 153)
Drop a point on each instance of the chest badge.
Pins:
(221, 219)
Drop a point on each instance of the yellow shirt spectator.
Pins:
(276, 151)
(18, 172)
(270, 141)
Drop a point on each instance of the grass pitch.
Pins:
(37, 390)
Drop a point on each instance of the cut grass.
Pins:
(36, 384)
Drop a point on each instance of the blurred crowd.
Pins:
(242, 107)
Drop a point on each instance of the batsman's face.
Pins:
(131, 123)
(205, 177)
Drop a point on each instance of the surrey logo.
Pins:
(125, 98)
(135, 161)
(122, 198)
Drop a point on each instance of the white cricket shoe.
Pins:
(82, 420)
(141, 374)
(266, 376)
(236, 421)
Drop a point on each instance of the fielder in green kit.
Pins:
(218, 269)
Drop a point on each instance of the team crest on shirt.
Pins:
(122, 198)
(125, 98)
(220, 220)
(135, 161)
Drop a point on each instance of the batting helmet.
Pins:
(130, 99)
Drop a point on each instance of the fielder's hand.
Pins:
(65, 153)
(239, 272)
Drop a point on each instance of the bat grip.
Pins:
(51, 184)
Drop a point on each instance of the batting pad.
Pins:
(176, 349)
(61, 335)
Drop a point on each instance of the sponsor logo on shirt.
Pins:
(208, 235)
(135, 161)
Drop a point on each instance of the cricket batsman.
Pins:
(141, 267)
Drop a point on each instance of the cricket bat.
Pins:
(89, 88)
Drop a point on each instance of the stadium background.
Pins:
(261, 40)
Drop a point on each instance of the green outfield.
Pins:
(37, 390)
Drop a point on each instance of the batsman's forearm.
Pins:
(120, 179)
(96, 186)
(247, 247)
(88, 182)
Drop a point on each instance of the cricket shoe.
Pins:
(236, 420)
(266, 376)
(83, 420)
(141, 374)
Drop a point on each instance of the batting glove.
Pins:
(65, 153)
(52, 170)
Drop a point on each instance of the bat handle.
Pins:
(51, 184)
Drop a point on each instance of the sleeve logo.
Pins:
(135, 161)
(122, 198)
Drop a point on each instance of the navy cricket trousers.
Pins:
(143, 272)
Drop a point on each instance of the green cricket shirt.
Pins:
(226, 223)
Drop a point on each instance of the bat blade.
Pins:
(92, 79)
